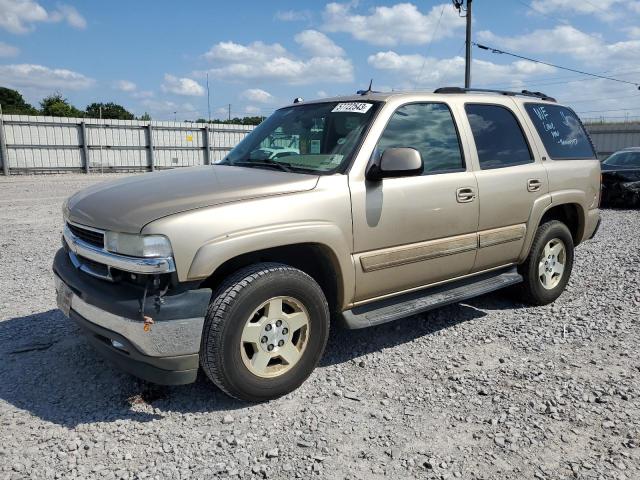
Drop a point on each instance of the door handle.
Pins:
(465, 195)
(533, 185)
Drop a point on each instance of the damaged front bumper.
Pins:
(164, 351)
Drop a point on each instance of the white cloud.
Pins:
(402, 23)
(416, 70)
(160, 106)
(42, 78)
(125, 86)
(293, 15)
(607, 10)
(318, 44)
(182, 86)
(252, 110)
(633, 32)
(168, 110)
(253, 52)
(257, 95)
(259, 60)
(142, 94)
(20, 16)
(7, 50)
(567, 40)
(70, 15)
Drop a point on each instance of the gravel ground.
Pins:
(487, 389)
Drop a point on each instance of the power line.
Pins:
(503, 52)
(433, 35)
(561, 80)
(533, 9)
(610, 110)
(570, 78)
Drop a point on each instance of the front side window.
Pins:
(499, 139)
(429, 128)
(561, 131)
(317, 138)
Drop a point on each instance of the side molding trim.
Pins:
(496, 236)
(418, 252)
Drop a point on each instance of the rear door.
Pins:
(511, 179)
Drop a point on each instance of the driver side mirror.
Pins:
(396, 162)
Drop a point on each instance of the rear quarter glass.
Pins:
(561, 132)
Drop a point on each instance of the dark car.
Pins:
(621, 179)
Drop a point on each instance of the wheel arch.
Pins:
(317, 260)
(569, 211)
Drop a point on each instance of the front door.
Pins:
(510, 180)
(414, 231)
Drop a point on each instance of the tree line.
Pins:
(55, 105)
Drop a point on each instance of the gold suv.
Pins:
(360, 209)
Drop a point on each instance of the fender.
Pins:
(213, 254)
(545, 203)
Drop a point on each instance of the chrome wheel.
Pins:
(275, 337)
(552, 264)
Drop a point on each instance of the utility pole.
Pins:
(208, 100)
(467, 60)
(229, 112)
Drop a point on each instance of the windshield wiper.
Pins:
(285, 167)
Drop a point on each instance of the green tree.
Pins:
(109, 110)
(13, 103)
(241, 121)
(145, 117)
(56, 105)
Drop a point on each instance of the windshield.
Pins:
(318, 138)
(624, 159)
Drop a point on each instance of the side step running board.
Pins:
(411, 303)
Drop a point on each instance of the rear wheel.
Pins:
(548, 266)
(265, 332)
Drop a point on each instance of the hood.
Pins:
(128, 204)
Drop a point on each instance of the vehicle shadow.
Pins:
(345, 344)
(48, 369)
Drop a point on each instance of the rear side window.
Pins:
(498, 136)
(561, 131)
(429, 128)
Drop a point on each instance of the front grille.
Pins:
(89, 236)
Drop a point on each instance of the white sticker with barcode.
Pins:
(356, 107)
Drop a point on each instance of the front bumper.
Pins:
(167, 352)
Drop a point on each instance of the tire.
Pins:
(533, 290)
(243, 307)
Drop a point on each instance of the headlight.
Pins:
(138, 245)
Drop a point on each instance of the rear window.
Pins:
(561, 131)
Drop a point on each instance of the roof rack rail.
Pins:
(524, 93)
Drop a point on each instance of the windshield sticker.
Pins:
(356, 107)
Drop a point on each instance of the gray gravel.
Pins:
(488, 389)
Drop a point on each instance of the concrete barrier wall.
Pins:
(30, 144)
(611, 137)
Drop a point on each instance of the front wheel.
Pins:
(548, 266)
(265, 331)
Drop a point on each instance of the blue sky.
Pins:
(154, 56)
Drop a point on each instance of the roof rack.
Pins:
(524, 93)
